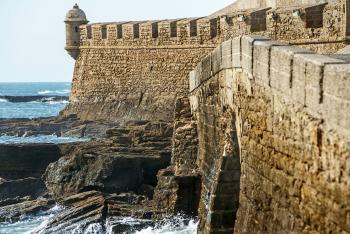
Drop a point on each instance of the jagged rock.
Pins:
(37, 98)
(130, 157)
(95, 166)
(11, 201)
(69, 126)
(92, 209)
(13, 212)
(33, 187)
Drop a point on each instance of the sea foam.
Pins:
(63, 91)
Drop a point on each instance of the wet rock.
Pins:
(23, 161)
(11, 201)
(95, 167)
(33, 187)
(13, 212)
(91, 210)
(68, 126)
(39, 98)
(130, 157)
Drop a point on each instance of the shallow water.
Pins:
(39, 139)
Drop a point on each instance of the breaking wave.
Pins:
(3, 100)
(36, 224)
(62, 91)
(30, 224)
(58, 102)
(173, 225)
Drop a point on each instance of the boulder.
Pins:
(95, 166)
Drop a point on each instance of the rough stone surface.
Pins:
(33, 187)
(128, 159)
(178, 186)
(136, 70)
(287, 162)
(92, 210)
(30, 160)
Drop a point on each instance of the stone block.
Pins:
(194, 103)
(337, 80)
(193, 81)
(247, 43)
(112, 31)
(216, 60)
(229, 176)
(236, 52)
(281, 67)
(222, 219)
(227, 202)
(307, 82)
(261, 62)
(96, 32)
(231, 163)
(336, 97)
(226, 53)
(206, 68)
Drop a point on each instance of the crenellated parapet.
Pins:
(320, 27)
(188, 31)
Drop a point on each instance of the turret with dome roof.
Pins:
(74, 19)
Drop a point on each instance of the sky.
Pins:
(33, 36)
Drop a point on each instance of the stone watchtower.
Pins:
(74, 18)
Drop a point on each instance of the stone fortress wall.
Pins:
(138, 69)
(319, 26)
(267, 143)
(273, 138)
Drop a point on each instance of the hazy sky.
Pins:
(33, 37)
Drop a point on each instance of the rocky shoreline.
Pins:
(37, 98)
(113, 175)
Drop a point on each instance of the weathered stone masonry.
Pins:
(282, 112)
(136, 70)
(266, 147)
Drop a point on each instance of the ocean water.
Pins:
(39, 139)
(32, 109)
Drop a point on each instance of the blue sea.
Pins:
(32, 109)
